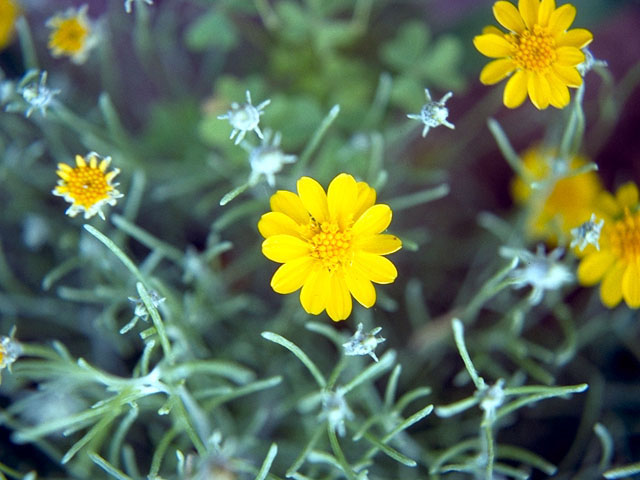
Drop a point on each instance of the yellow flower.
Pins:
(72, 34)
(538, 50)
(87, 186)
(565, 204)
(9, 13)
(330, 244)
(617, 263)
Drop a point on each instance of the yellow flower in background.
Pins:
(566, 203)
(87, 186)
(9, 13)
(616, 264)
(538, 51)
(330, 244)
(72, 34)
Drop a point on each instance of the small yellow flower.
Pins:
(617, 263)
(87, 186)
(73, 35)
(9, 13)
(554, 210)
(330, 244)
(538, 51)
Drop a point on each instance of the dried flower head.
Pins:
(244, 118)
(587, 233)
(335, 411)
(537, 51)
(540, 271)
(88, 185)
(363, 343)
(433, 113)
(10, 350)
(129, 3)
(37, 95)
(267, 159)
(72, 35)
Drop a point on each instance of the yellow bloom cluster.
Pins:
(72, 34)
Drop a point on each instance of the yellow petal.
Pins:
(276, 223)
(290, 276)
(366, 198)
(607, 205)
(80, 161)
(593, 267)
(611, 288)
(284, 248)
(562, 18)
(627, 195)
(496, 70)
(529, 12)
(576, 37)
(65, 167)
(515, 91)
(508, 16)
(374, 220)
(559, 93)
(383, 244)
(360, 287)
(544, 12)
(290, 204)
(631, 285)
(315, 291)
(341, 197)
(539, 91)
(313, 198)
(492, 45)
(376, 268)
(339, 299)
(492, 29)
(569, 56)
(569, 75)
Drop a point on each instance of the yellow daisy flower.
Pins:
(72, 34)
(87, 186)
(9, 13)
(617, 263)
(330, 244)
(567, 203)
(538, 51)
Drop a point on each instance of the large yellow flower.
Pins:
(617, 263)
(9, 13)
(330, 244)
(538, 52)
(562, 205)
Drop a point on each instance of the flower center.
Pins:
(625, 237)
(535, 50)
(69, 36)
(87, 186)
(331, 245)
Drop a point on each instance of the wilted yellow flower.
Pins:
(616, 265)
(73, 35)
(538, 51)
(330, 244)
(87, 186)
(557, 206)
(9, 13)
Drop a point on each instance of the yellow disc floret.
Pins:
(331, 245)
(87, 186)
(535, 50)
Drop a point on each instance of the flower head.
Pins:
(617, 263)
(433, 113)
(538, 51)
(331, 244)
(587, 233)
(244, 118)
(37, 95)
(72, 34)
(557, 193)
(9, 13)
(363, 343)
(88, 185)
(335, 410)
(10, 350)
(128, 4)
(542, 272)
(267, 159)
